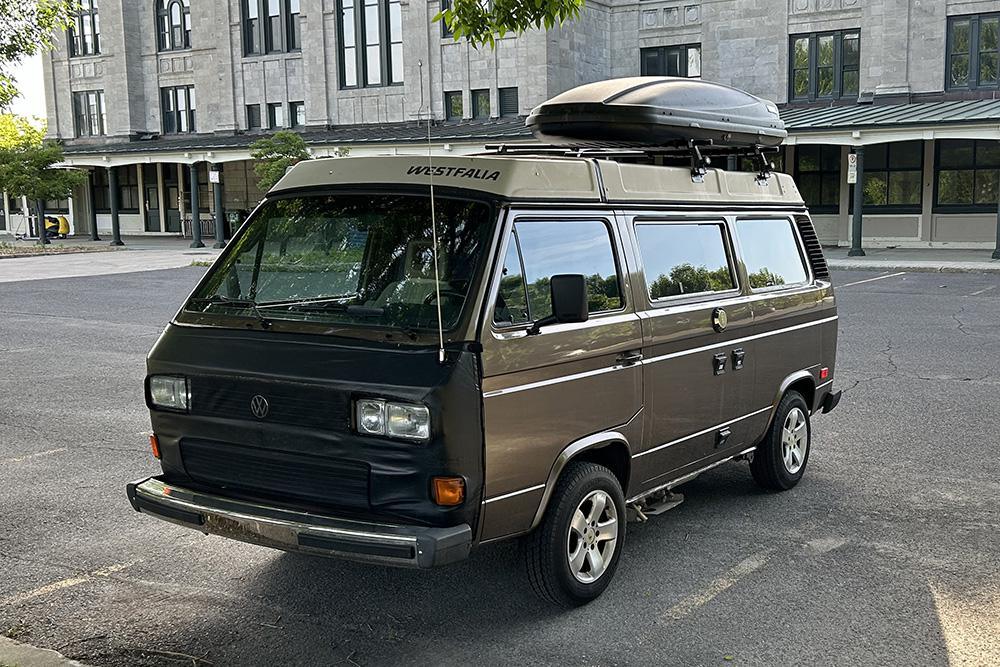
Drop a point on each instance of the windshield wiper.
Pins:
(219, 299)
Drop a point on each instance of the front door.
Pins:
(544, 391)
(172, 194)
(696, 371)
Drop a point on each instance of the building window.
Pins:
(128, 189)
(480, 103)
(294, 25)
(173, 21)
(253, 117)
(508, 102)
(278, 32)
(973, 52)
(84, 34)
(178, 107)
(683, 60)
(453, 105)
(275, 115)
(824, 65)
(445, 30)
(817, 172)
(379, 24)
(893, 176)
(297, 113)
(967, 175)
(101, 201)
(89, 113)
(57, 206)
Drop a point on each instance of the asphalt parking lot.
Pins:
(887, 553)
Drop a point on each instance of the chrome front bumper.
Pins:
(291, 530)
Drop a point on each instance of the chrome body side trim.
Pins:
(688, 476)
(653, 360)
(702, 432)
(513, 493)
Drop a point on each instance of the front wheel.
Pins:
(573, 554)
(780, 459)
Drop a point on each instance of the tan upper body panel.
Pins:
(547, 178)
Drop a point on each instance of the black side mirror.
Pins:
(569, 301)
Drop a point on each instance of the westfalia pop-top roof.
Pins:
(559, 179)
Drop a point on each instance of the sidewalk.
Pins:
(17, 654)
(915, 259)
(138, 254)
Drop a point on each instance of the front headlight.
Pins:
(169, 392)
(396, 420)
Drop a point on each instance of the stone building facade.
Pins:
(169, 84)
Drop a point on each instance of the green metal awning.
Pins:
(861, 124)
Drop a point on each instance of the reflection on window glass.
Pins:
(968, 173)
(684, 259)
(351, 259)
(512, 299)
(553, 248)
(770, 252)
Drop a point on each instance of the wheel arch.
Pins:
(608, 448)
(800, 381)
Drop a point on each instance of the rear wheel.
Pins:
(780, 459)
(573, 554)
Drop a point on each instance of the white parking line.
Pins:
(716, 586)
(48, 452)
(986, 289)
(860, 282)
(64, 583)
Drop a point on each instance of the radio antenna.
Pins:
(434, 248)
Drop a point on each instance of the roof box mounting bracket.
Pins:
(763, 165)
(699, 163)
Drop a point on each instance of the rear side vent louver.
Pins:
(813, 248)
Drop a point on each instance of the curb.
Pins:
(16, 654)
(920, 267)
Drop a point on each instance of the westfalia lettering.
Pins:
(457, 172)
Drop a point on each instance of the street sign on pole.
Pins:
(852, 168)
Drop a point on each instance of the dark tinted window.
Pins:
(553, 248)
(770, 252)
(684, 259)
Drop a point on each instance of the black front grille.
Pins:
(291, 403)
(814, 250)
(273, 474)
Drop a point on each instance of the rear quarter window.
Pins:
(771, 253)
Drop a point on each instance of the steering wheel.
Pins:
(432, 297)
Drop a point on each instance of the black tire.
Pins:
(546, 549)
(769, 467)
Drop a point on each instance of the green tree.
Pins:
(273, 156)
(482, 21)
(26, 166)
(26, 28)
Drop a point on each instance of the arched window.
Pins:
(173, 23)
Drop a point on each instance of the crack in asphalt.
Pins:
(961, 324)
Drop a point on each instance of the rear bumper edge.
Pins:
(268, 525)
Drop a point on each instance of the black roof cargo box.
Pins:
(657, 111)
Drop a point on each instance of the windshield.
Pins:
(351, 259)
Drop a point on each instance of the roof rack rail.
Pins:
(699, 153)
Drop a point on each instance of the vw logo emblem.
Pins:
(259, 406)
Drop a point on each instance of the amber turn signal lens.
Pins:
(448, 491)
(155, 444)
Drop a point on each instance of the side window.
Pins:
(512, 299)
(771, 252)
(553, 248)
(681, 259)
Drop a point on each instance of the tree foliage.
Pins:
(481, 22)
(273, 156)
(26, 161)
(26, 28)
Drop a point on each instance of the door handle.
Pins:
(629, 359)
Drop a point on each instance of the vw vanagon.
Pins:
(400, 359)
